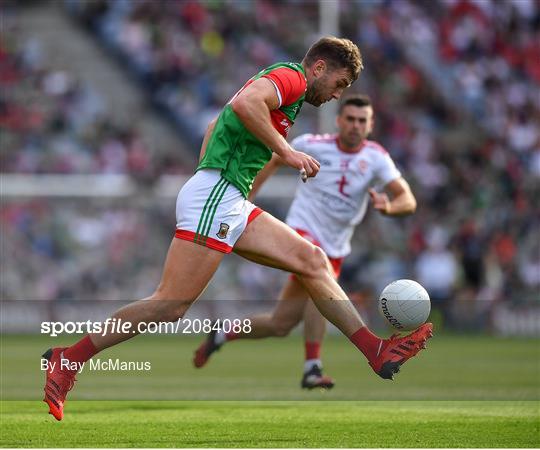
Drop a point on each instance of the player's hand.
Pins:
(380, 201)
(307, 165)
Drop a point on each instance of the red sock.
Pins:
(231, 336)
(82, 351)
(313, 350)
(366, 342)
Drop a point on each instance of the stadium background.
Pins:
(103, 104)
(113, 97)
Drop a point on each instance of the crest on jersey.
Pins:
(223, 230)
(363, 166)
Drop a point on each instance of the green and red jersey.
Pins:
(235, 150)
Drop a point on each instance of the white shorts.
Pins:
(210, 211)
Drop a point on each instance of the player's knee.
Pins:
(316, 263)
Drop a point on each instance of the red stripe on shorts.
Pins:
(254, 214)
(203, 240)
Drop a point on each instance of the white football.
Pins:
(404, 304)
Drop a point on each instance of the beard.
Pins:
(353, 141)
(312, 94)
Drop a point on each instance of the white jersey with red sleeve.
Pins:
(330, 205)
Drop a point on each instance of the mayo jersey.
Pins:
(236, 151)
(330, 205)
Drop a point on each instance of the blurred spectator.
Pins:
(52, 123)
(437, 270)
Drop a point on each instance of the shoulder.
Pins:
(382, 161)
(321, 138)
(301, 140)
(376, 148)
(314, 142)
(321, 142)
(377, 153)
(285, 72)
(311, 138)
(287, 68)
(290, 72)
(289, 81)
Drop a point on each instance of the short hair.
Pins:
(338, 53)
(355, 100)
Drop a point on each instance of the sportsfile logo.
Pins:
(389, 316)
(114, 325)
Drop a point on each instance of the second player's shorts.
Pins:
(336, 263)
(210, 211)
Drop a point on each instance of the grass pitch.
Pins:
(273, 424)
(462, 392)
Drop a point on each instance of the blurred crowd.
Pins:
(66, 249)
(192, 55)
(471, 152)
(52, 122)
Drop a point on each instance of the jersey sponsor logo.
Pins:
(286, 125)
(340, 204)
(223, 230)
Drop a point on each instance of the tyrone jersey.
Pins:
(237, 152)
(330, 205)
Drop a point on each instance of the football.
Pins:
(404, 304)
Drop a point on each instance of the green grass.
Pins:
(452, 368)
(274, 424)
(465, 391)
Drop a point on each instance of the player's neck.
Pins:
(348, 149)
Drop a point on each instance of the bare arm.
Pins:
(266, 172)
(252, 106)
(207, 135)
(402, 200)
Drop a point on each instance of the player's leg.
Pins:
(268, 241)
(293, 306)
(314, 325)
(286, 315)
(201, 203)
(314, 331)
(179, 288)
